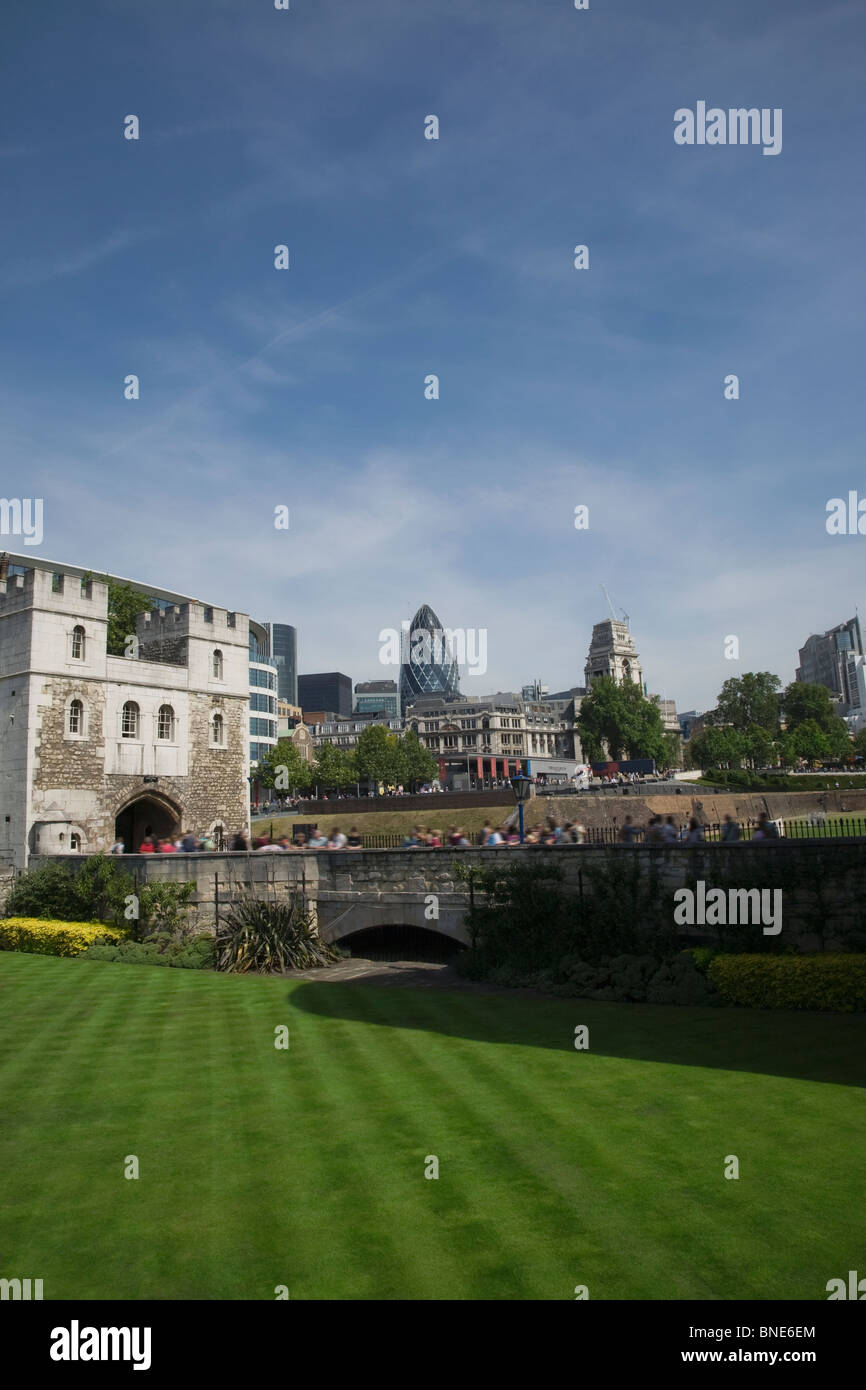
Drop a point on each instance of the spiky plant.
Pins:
(269, 937)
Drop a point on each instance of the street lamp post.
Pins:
(521, 786)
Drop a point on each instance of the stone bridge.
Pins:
(351, 891)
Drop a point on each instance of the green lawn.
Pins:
(305, 1167)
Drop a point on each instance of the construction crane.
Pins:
(612, 609)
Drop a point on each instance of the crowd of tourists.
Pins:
(658, 831)
(188, 843)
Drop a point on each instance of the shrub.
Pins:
(679, 981)
(195, 955)
(834, 982)
(94, 891)
(269, 937)
(41, 938)
(164, 908)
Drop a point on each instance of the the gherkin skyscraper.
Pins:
(427, 665)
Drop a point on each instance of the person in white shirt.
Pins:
(494, 838)
(337, 839)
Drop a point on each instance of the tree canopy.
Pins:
(750, 699)
(623, 719)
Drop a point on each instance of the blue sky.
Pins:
(558, 387)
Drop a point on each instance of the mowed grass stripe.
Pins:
(414, 1118)
(387, 1201)
(513, 1150)
(74, 1151)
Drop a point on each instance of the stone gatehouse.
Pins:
(95, 745)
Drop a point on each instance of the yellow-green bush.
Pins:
(43, 938)
(834, 982)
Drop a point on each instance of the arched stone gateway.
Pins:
(146, 813)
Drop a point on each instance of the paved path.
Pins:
(414, 974)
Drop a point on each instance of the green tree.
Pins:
(420, 763)
(623, 719)
(716, 748)
(284, 768)
(124, 606)
(807, 740)
(381, 757)
(759, 748)
(334, 767)
(673, 754)
(802, 701)
(750, 699)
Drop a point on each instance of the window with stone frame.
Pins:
(217, 724)
(165, 724)
(75, 718)
(217, 665)
(79, 640)
(130, 720)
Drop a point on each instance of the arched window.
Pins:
(78, 642)
(217, 665)
(218, 730)
(129, 720)
(165, 723)
(76, 717)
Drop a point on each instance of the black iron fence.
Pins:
(809, 828)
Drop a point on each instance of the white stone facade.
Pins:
(91, 743)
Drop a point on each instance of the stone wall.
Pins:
(352, 890)
(607, 809)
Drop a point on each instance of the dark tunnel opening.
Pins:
(392, 943)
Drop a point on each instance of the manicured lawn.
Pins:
(387, 822)
(305, 1167)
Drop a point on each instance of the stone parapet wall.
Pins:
(352, 890)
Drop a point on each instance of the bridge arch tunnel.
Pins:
(394, 931)
(392, 941)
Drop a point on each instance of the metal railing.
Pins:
(813, 828)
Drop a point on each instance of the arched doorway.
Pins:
(147, 814)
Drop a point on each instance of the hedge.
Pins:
(43, 938)
(832, 981)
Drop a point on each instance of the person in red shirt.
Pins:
(166, 847)
(146, 847)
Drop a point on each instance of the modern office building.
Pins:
(687, 720)
(428, 666)
(283, 648)
(325, 690)
(263, 681)
(98, 746)
(377, 697)
(825, 659)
